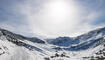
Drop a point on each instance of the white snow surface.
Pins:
(11, 51)
(14, 52)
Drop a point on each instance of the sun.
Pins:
(58, 11)
(54, 17)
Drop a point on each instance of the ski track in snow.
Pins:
(20, 54)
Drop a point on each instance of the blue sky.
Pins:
(31, 17)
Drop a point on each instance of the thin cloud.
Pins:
(42, 19)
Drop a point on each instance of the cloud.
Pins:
(6, 26)
(53, 18)
(44, 19)
(12, 19)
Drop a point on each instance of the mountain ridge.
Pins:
(62, 47)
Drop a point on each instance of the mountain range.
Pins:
(88, 46)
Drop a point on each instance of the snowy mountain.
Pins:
(89, 40)
(84, 47)
(61, 41)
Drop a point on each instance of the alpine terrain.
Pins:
(88, 46)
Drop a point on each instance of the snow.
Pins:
(14, 52)
(38, 51)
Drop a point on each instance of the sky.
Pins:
(51, 18)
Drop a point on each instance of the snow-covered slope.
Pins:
(17, 47)
(82, 42)
(84, 47)
(90, 40)
(61, 41)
